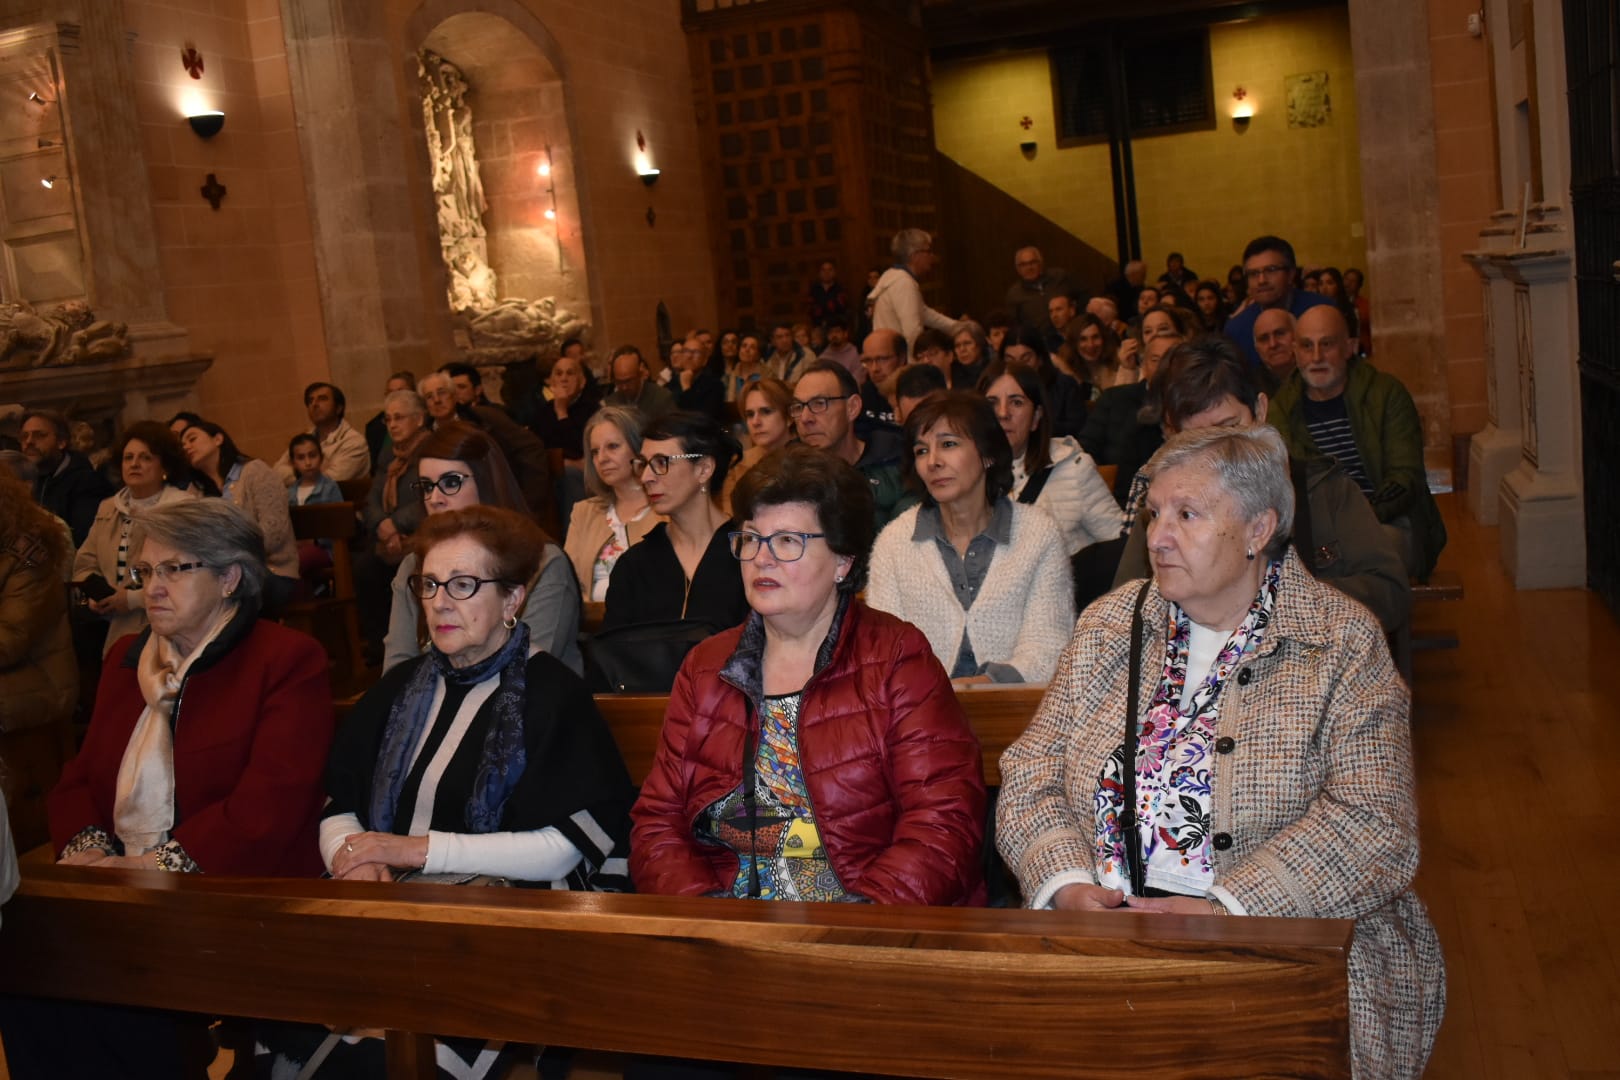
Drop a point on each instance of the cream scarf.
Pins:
(143, 810)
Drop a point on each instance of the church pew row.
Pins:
(921, 992)
(998, 715)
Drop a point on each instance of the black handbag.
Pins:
(1127, 817)
(642, 658)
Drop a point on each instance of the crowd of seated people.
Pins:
(920, 508)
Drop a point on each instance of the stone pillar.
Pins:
(1494, 451)
(1542, 513)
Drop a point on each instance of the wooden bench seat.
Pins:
(926, 992)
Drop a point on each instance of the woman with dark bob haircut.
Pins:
(815, 752)
(986, 579)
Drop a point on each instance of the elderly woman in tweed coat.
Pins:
(1271, 771)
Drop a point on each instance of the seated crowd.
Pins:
(812, 540)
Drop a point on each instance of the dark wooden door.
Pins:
(1592, 48)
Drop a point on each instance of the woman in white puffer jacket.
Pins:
(1053, 474)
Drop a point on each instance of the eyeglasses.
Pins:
(141, 573)
(816, 404)
(659, 463)
(460, 587)
(449, 483)
(785, 546)
(1266, 271)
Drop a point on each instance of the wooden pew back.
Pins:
(998, 716)
(930, 992)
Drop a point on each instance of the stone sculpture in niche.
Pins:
(66, 334)
(492, 329)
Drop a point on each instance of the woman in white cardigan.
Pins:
(1053, 474)
(984, 578)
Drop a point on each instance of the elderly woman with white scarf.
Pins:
(205, 754)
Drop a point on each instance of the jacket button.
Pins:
(1224, 744)
(1222, 841)
(1244, 676)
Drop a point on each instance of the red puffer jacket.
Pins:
(892, 767)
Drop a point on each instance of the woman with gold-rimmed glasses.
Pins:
(816, 752)
(459, 466)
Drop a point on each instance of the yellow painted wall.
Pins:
(1205, 194)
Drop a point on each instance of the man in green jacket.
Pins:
(826, 401)
(1365, 420)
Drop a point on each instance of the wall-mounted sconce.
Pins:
(47, 182)
(35, 99)
(1028, 148)
(648, 176)
(1242, 110)
(206, 124)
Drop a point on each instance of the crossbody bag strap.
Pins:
(1127, 817)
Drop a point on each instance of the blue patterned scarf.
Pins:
(503, 758)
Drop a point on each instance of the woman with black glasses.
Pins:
(682, 570)
(459, 466)
(816, 752)
(483, 759)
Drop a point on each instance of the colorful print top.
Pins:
(1174, 768)
(783, 846)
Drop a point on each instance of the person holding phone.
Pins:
(155, 473)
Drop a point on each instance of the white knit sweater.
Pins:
(1075, 495)
(1023, 615)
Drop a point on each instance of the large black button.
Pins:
(1244, 676)
(1224, 744)
(1222, 841)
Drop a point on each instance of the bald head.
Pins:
(1322, 346)
(1274, 341)
(883, 353)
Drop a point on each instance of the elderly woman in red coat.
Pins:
(817, 752)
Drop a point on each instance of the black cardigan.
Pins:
(649, 585)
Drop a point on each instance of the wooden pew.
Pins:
(927, 992)
(998, 716)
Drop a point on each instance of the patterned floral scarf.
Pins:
(504, 757)
(1175, 749)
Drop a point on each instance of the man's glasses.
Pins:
(460, 587)
(659, 463)
(449, 483)
(817, 404)
(785, 546)
(1266, 271)
(142, 573)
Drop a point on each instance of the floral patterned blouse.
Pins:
(1174, 770)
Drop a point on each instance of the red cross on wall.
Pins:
(1026, 123)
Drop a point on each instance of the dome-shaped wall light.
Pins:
(206, 124)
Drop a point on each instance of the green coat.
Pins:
(1389, 436)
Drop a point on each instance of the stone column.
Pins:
(1494, 451)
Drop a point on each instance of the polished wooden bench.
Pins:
(922, 992)
(998, 715)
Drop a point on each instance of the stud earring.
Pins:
(1250, 555)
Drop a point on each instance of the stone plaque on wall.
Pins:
(1309, 103)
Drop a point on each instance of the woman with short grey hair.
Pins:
(1230, 737)
(392, 510)
(617, 514)
(896, 300)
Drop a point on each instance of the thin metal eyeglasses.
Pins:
(1262, 271)
(659, 463)
(449, 483)
(786, 546)
(817, 404)
(460, 587)
(141, 573)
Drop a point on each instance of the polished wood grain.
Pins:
(972, 993)
(998, 715)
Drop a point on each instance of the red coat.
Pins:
(892, 767)
(250, 748)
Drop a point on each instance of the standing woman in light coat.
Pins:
(897, 300)
(985, 579)
(1265, 767)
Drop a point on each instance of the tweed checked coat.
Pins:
(1316, 792)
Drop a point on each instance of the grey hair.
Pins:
(1251, 465)
(410, 400)
(214, 532)
(1288, 317)
(432, 376)
(629, 422)
(907, 242)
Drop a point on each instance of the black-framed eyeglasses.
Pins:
(141, 573)
(817, 404)
(659, 463)
(1265, 271)
(460, 587)
(786, 546)
(449, 483)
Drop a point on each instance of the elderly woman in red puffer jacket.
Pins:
(817, 752)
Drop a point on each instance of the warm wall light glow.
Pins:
(545, 168)
(47, 182)
(551, 215)
(1242, 110)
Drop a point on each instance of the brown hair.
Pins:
(28, 532)
(513, 540)
(842, 498)
(456, 441)
(970, 416)
(1038, 454)
(776, 392)
(162, 442)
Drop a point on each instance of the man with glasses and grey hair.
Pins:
(1268, 267)
(826, 403)
(897, 300)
